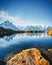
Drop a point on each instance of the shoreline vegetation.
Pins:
(8, 32)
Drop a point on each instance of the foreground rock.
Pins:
(28, 57)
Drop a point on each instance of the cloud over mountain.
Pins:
(16, 20)
(5, 16)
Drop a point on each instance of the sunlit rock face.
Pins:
(49, 32)
(28, 57)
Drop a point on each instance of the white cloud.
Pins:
(15, 20)
(5, 16)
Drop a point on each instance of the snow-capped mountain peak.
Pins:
(8, 25)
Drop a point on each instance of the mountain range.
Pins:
(10, 25)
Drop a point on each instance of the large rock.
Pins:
(28, 57)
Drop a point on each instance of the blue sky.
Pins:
(26, 12)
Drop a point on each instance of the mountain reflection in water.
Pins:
(10, 43)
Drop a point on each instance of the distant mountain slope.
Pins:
(34, 27)
(8, 25)
(49, 27)
(38, 27)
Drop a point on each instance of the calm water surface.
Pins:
(10, 43)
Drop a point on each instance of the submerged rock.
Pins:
(28, 57)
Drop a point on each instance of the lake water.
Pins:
(23, 41)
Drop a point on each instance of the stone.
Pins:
(28, 57)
